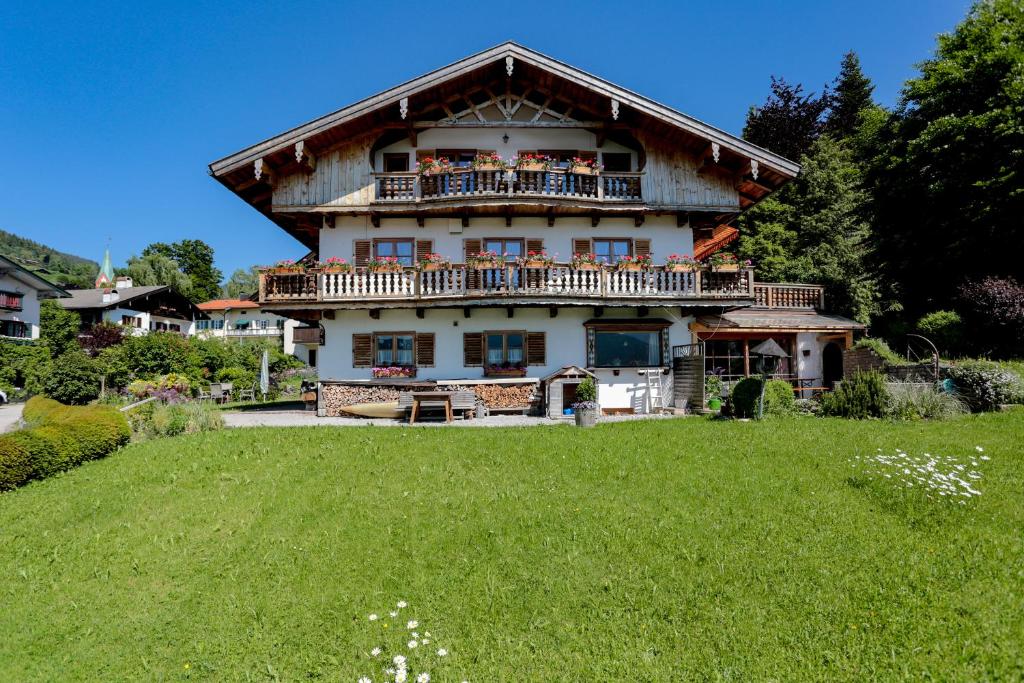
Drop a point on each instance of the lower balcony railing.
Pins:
(521, 183)
(459, 281)
(785, 295)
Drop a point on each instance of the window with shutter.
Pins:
(424, 248)
(471, 247)
(536, 348)
(581, 246)
(362, 350)
(472, 349)
(534, 245)
(641, 247)
(361, 250)
(425, 350)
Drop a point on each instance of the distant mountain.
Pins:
(65, 270)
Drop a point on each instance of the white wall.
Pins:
(29, 313)
(448, 234)
(566, 343)
(114, 315)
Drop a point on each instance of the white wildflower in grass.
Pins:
(423, 678)
(412, 624)
(402, 655)
(392, 614)
(402, 604)
(365, 679)
(401, 676)
(979, 449)
(399, 660)
(375, 652)
(373, 617)
(413, 644)
(414, 634)
(425, 641)
(442, 652)
(938, 476)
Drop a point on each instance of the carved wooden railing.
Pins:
(554, 281)
(411, 187)
(782, 295)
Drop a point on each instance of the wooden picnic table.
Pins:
(436, 397)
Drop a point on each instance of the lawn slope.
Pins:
(682, 549)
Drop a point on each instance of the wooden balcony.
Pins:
(556, 183)
(782, 295)
(558, 282)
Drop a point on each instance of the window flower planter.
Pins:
(681, 268)
(532, 166)
(394, 372)
(632, 267)
(583, 170)
(489, 167)
(386, 269)
(726, 268)
(505, 372)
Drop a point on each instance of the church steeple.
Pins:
(106, 276)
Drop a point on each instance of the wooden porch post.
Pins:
(746, 357)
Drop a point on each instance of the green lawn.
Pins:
(671, 550)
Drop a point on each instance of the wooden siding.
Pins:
(343, 177)
(670, 179)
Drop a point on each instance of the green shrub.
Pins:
(39, 408)
(860, 397)
(15, 463)
(945, 329)
(23, 366)
(586, 391)
(73, 380)
(984, 385)
(778, 397)
(175, 419)
(881, 350)
(912, 401)
(712, 387)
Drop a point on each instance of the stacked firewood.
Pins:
(335, 396)
(498, 396)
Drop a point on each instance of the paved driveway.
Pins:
(9, 416)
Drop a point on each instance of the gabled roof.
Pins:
(499, 54)
(86, 299)
(30, 279)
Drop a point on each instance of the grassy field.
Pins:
(672, 550)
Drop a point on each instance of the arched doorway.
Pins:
(831, 364)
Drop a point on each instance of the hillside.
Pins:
(56, 266)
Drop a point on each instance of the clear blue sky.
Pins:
(110, 113)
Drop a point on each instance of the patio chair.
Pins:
(248, 394)
(204, 395)
(218, 394)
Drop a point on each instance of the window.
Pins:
(505, 349)
(403, 249)
(396, 162)
(616, 162)
(627, 348)
(201, 324)
(131, 321)
(217, 324)
(512, 247)
(393, 350)
(174, 327)
(611, 250)
(458, 157)
(10, 300)
(562, 157)
(312, 358)
(731, 359)
(14, 328)
(280, 323)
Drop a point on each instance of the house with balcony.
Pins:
(21, 291)
(139, 309)
(243, 319)
(509, 215)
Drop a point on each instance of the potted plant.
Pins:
(384, 264)
(586, 407)
(532, 162)
(485, 259)
(505, 370)
(583, 261)
(434, 262)
(724, 262)
(489, 161)
(394, 372)
(431, 166)
(582, 166)
(334, 264)
(642, 262)
(713, 391)
(536, 259)
(287, 266)
(680, 264)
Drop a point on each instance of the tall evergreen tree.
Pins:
(948, 179)
(789, 121)
(851, 96)
(156, 269)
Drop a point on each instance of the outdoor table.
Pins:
(444, 397)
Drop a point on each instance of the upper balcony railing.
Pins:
(784, 295)
(557, 281)
(469, 183)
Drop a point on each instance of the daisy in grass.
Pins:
(423, 678)
(402, 604)
(412, 624)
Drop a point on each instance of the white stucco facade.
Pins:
(29, 313)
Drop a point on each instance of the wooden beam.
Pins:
(375, 313)
(328, 220)
(329, 313)
(420, 312)
(375, 219)
(682, 219)
(553, 312)
(551, 218)
(638, 220)
(598, 311)
(305, 157)
(465, 220)
(642, 311)
(508, 220)
(467, 312)
(595, 219)
(263, 172)
(510, 311)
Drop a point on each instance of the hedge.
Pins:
(57, 438)
(778, 397)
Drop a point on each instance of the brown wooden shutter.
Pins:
(536, 348)
(641, 247)
(472, 349)
(425, 349)
(424, 247)
(586, 154)
(361, 252)
(469, 248)
(362, 350)
(581, 246)
(534, 245)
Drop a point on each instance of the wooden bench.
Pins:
(458, 402)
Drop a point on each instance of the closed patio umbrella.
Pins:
(265, 374)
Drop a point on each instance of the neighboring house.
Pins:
(365, 184)
(21, 291)
(157, 308)
(246, 319)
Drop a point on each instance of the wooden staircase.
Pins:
(719, 237)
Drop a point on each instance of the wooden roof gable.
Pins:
(573, 84)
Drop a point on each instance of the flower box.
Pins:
(586, 266)
(505, 372)
(489, 166)
(632, 267)
(394, 372)
(583, 170)
(681, 268)
(536, 264)
(486, 265)
(427, 267)
(284, 270)
(386, 269)
(334, 270)
(532, 166)
(726, 268)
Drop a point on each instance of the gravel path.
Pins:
(304, 419)
(10, 415)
